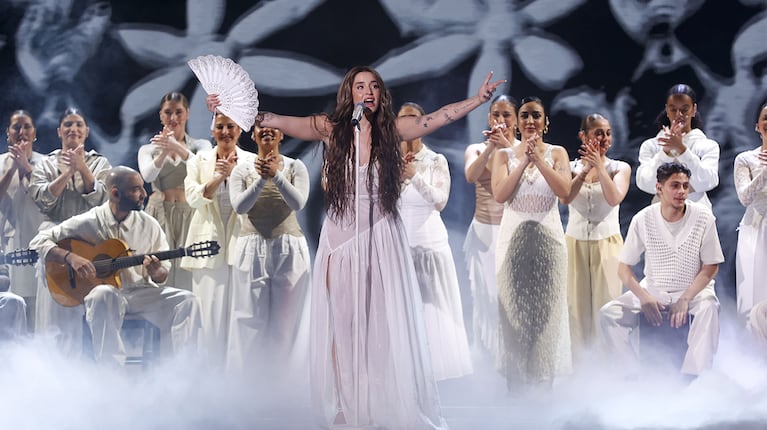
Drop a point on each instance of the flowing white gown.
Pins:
(386, 380)
(420, 204)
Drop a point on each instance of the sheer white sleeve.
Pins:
(296, 192)
(650, 157)
(703, 164)
(245, 185)
(750, 180)
(146, 163)
(433, 182)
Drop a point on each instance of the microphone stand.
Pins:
(356, 269)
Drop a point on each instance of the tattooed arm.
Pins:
(414, 127)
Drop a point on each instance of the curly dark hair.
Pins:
(665, 171)
(338, 154)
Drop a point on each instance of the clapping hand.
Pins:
(19, 156)
(408, 168)
(268, 166)
(531, 145)
(496, 136)
(671, 141)
(224, 166)
(166, 141)
(590, 155)
(75, 159)
(762, 158)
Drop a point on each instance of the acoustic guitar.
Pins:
(19, 257)
(69, 289)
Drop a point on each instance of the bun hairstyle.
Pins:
(505, 98)
(415, 106)
(588, 122)
(72, 111)
(175, 97)
(685, 90)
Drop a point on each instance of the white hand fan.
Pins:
(235, 89)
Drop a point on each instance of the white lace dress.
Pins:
(424, 196)
(531, 261)
(751, 185)
(386, 379)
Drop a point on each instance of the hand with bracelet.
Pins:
(82, 266)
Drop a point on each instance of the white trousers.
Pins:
(619, 318)
(757, 320)
(64, 323)
(13, 316)
(214, 289)
(269, 327)
(175, 312)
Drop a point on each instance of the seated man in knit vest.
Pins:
(682, 255)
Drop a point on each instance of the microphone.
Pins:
(357, 114)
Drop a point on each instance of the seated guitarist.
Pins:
(174, 311)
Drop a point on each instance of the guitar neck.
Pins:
(135, 260)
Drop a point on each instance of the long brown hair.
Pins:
(338, 155)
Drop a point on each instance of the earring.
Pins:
(546, 128)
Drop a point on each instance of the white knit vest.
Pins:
(674, 268)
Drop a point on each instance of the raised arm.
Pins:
(411, 128)
(306, 128)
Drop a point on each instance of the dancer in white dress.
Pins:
(479, 246)
(20, 218)
(751, 184)
(427, 188)
(269, 328)
(163, 163)
(680, 139)
(369, 359)
(593, 232)
(531, 258)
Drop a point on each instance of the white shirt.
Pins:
(701, 157)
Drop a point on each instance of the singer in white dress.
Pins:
(369, 360)
(427, 187)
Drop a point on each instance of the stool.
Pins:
(662, 344)
(150, 340)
